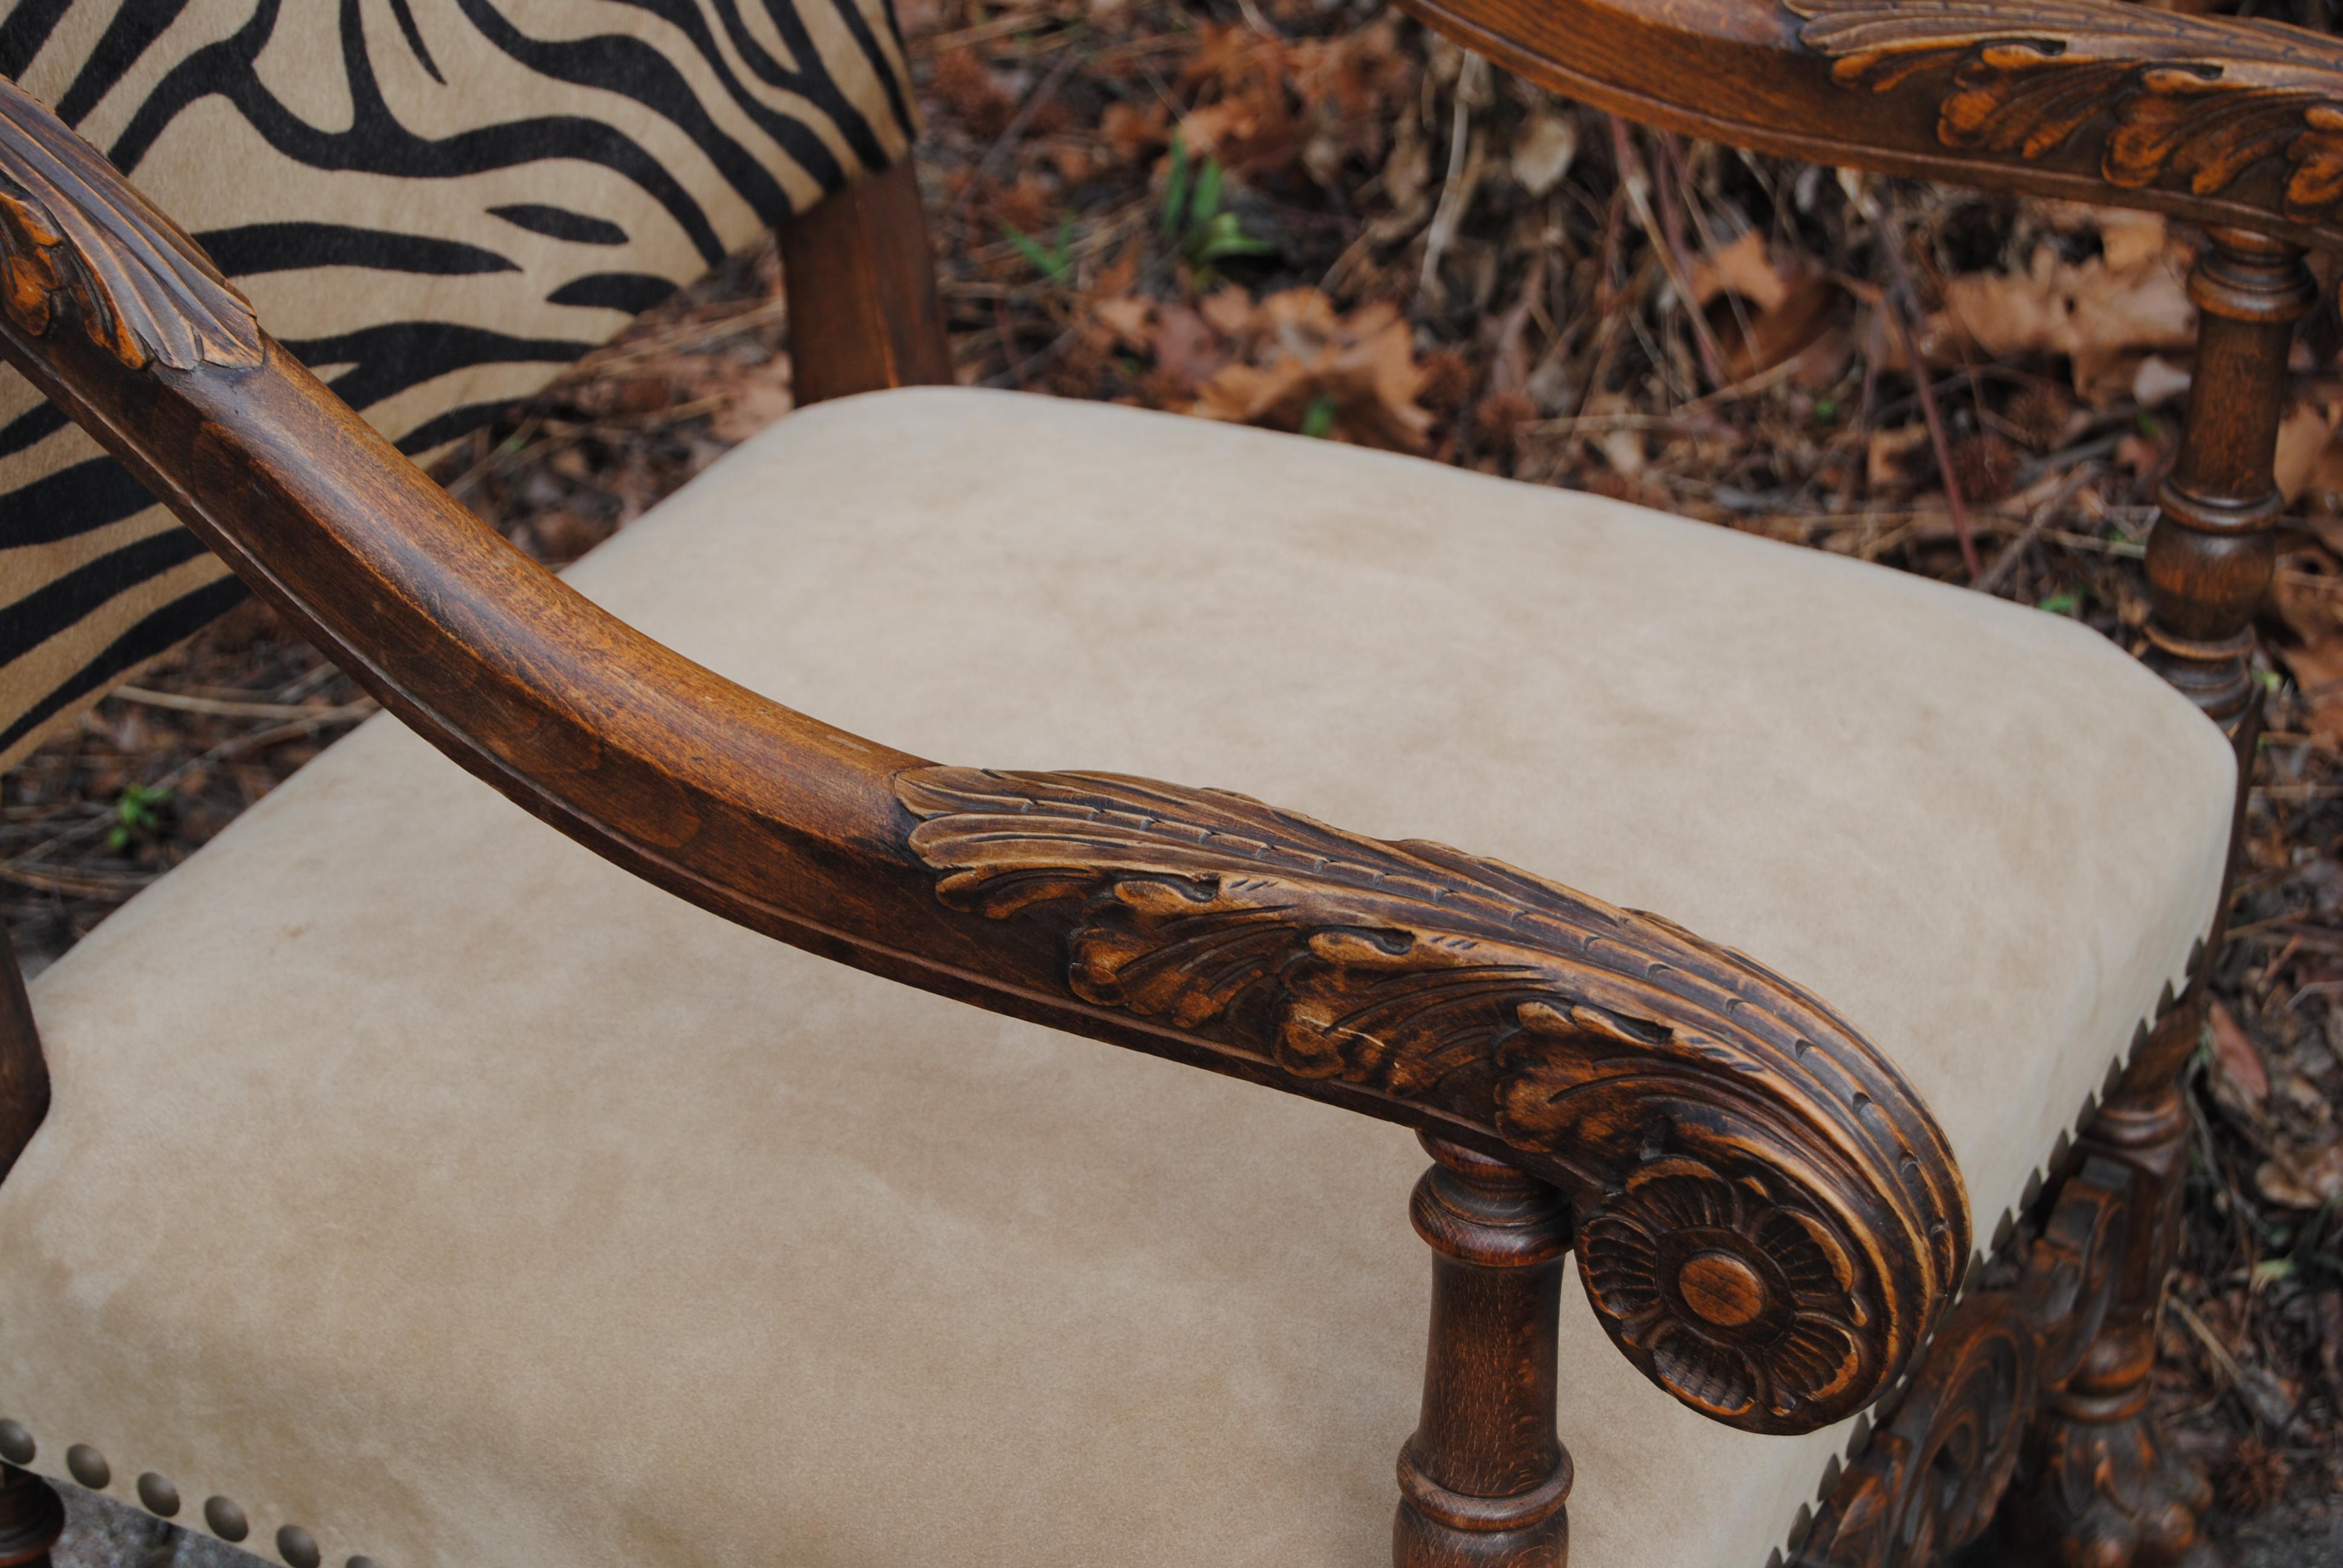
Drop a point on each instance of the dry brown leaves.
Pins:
(1301, 367)
(1265, 102)
(2111, 316)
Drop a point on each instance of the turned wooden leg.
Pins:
(1483, 1481)
(32, 1517)
(2110, 1490)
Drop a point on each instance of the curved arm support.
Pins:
(2215, 119)
(1768, 1217)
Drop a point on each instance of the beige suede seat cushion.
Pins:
(417, 1179)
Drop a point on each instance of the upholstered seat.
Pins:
(419, 1180)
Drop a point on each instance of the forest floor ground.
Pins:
(1317, 217)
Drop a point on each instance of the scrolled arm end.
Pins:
(1768, 1218)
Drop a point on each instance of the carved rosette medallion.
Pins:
(1730, 1146)
(2149, 99)
(1741, 1303)
(75, 240)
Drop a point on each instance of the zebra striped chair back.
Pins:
(437, 203)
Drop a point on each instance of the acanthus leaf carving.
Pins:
(1599, 1043)
(72, 232)
(2170, 101)
(1935, 1469)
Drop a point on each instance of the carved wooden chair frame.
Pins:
(1600, 1055)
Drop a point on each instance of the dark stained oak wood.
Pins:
(1484, 1481)
(2235, 124)
(2210, 118)
(24, 1075)
(2110, 1486)
(2069, 1389)
(32, 1517)
(1565, 1059)
(863, 310)
(1929, 1479)
(2212, 551)
(1609, 1053)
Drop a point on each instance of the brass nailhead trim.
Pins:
(297, 1547)
(88, 1466)
(1889, 1399)
(226, 1520)
(295, 1544)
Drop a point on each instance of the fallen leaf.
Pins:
(1359, 372)
(2130, 238)
(1120, 275)
(1126, 318)
(2300, 1178)
(2236, 1059)
(1186, 350)
(1894, 458)
(754, 407)
(1348, 84)
(1230, 313)
(2317, 671)
(2322, 490)
(1131, 132)
(971, 92)
(1798, 319)
(1622, 446)
(2158, 381)
(1544, 146)
(2302, 436)
(1744, 267)
(2097, 315)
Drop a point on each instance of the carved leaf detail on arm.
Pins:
(74, 236)
(1719, 1130)
(2164, 100)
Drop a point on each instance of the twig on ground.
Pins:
(2007, 562)
(1464, 161)
(1014, 132)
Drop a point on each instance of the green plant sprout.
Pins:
(1204, 232)
(1052, 262)
(139, 810)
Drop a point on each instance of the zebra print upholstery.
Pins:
(437, 204)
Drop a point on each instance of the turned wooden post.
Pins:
(2109, 1487)
(32, 1517)
(2211, 558)
(1484, 1479)
(23, 1074)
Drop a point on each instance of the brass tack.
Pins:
(158, 1495)
(226, 1520)
(88, 1466)
(16, 1443)
(296, 1545)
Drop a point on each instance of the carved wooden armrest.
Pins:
(1740, 1161)
(2212, 119)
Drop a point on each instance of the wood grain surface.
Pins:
(1633, 1066)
